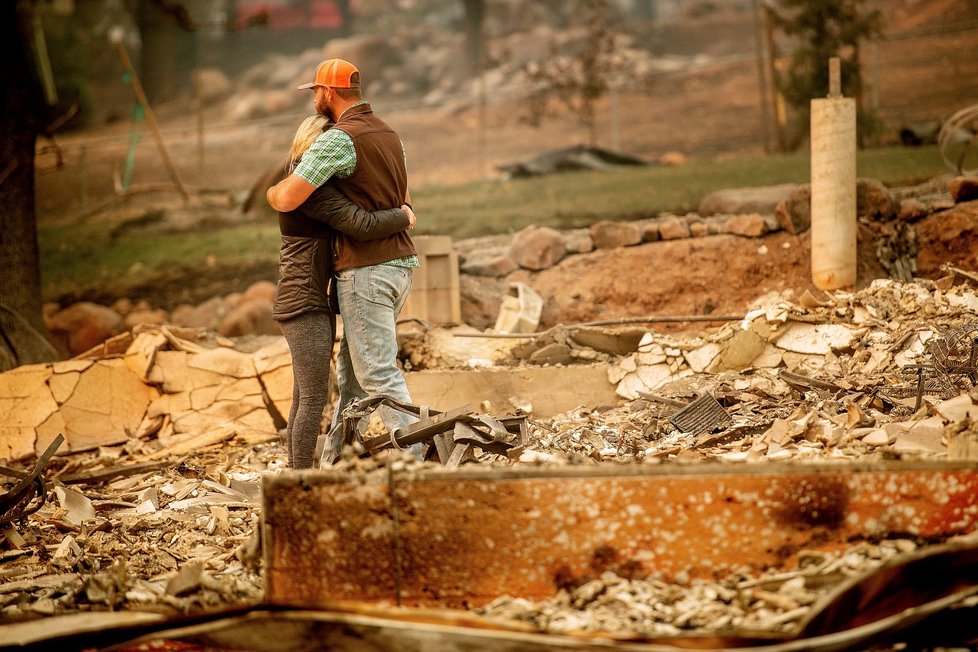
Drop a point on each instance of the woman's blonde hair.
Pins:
(310, 129)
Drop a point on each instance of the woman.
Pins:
(304, 306)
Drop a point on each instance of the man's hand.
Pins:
(412, 219)
(289, 193)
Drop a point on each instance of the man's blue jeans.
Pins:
(370, 300)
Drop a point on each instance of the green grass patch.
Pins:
(99, 255)
(87, 255)
(578, 199)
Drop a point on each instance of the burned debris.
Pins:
(834, 388)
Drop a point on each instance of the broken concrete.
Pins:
(545, 390)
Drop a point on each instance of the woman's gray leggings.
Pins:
(310, 339)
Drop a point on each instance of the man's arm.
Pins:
(331, 154)
(289, 193)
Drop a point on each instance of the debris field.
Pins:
(163, 515)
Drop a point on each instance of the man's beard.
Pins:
(323, 108)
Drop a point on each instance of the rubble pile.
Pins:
(171, 536)
(830, 378)
(774, 601)
(161, 514)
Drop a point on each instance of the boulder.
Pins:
(673, 228)
(250, 317)
(911, 209)
(372, 53)
(207, 315)
(537, 248)
(553, 353)
(141, 317)
(963, 188)
(750, 225)
(84, 325)
(794, 214)
(733, 201)
(578, 242)
(674, 159)
(608, 234)
(650, 232)
(210, 85)
(481, 298)
(874, 200)
(489, 264)
(260, 290)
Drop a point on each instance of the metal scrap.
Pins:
(18, 502)
(469, 429)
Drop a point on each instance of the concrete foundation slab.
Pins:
(550, 390)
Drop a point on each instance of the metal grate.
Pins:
(702, 415)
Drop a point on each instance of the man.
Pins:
(366, 159)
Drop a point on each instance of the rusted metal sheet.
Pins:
(462, 538)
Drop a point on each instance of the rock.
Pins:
(650, 232)
(914, 134)
(260, 290)
(210, 85)
(48, 311)
(232, 300)
(674, 159)
(616, 342)
(207, 315)
(751, 225)
(578, 242)
(481, 298)
(911, 209)
(494, 265)
(874, 200)
(537, 248)
(963, 188)
(794, 214)
(372, 53)
(123, 306)
(673, 228)
(608, 234)
(554, 353)
(248, 105)
(84, 325)
(250, 317)
(138, 317)
(762, 199)
(699, 229)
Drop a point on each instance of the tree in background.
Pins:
(22, 117)
(577, 81)
(824, 29)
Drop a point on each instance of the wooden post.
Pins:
(779, 116)
(761, 81)
(115, 37)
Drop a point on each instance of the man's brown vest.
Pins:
(379, 181)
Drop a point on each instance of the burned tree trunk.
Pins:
(20, 282)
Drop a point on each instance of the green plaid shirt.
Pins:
(333, 154)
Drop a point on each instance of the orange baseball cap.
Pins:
(335, 73)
